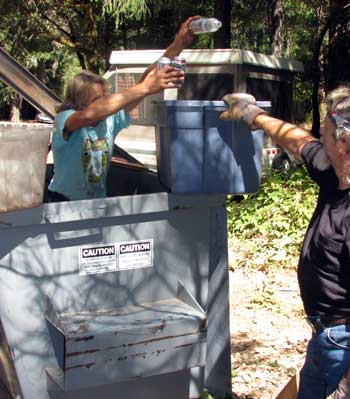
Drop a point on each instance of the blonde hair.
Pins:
(77, 90)
(338, 101)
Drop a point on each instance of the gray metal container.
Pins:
(115, 298)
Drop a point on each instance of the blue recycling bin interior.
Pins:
(199, 153)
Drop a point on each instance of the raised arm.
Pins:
(104, 105)
(183, 38)
(243, 106)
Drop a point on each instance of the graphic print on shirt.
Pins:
(95, 159)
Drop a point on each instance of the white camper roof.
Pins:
(207, 57)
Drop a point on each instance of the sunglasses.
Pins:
(342, 125)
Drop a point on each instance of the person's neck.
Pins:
(343, 188)
(342, 170)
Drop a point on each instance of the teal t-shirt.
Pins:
(81, 163)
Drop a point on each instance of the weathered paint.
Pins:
(79, 348)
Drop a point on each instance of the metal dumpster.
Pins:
(123, 297)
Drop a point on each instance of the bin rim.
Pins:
(202, 104)
(26, 125)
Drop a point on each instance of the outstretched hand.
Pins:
(242, 106)
(184, 37)
(166, 78)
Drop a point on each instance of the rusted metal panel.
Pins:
(107, 346)
(109, 370)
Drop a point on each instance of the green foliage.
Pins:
(89, 30)
(206, 395)
(28, 42)
(133, 8)
(158, 27)
(249, 25)
(275, 218)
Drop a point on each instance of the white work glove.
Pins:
(242, 106)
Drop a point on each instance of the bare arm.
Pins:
(112, 103)
(128, 99)
(283, 133)
(242, 106)
(183, 38)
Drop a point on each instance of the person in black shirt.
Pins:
(324, 264)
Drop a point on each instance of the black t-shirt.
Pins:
(324, 264)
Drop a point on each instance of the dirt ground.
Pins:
(268, 330)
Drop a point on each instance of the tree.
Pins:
(222, 11)
(87, 28)
(75, 25)
(317, 68)
(250, 25)
(26, 41)
(276, 24)
(329, 58)
(337, 58)
(47, 36)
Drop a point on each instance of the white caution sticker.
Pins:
(113, 257)
(135, 254)
(97, 259)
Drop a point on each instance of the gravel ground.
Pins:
(268, 331)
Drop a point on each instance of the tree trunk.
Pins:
(337, 69)
(91, 44)
(107, 36)
(15, 109)
(316, 70)
(222, 11)
(124, 34)
(276, 39)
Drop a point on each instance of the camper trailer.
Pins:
(210, 74)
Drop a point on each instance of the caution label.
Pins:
(135, 254)
(97, 259)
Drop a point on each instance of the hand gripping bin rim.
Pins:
(199, 153)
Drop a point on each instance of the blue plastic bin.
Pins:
(199, 153)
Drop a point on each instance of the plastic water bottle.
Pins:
(204, 25)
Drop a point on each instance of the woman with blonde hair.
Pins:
(89, 119)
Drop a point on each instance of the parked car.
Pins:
(284, 161)
(277, 158)
(43, 118)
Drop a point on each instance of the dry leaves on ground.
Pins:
(268, 330)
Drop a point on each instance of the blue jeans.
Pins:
(327, 360)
